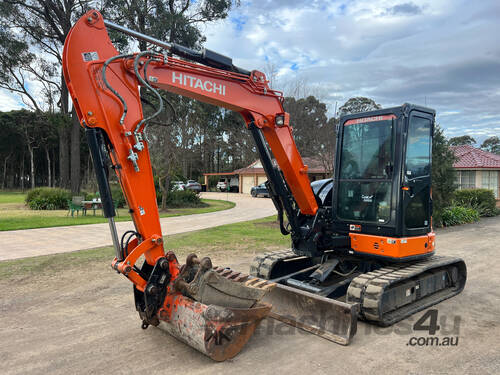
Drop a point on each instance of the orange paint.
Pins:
(86, 49)
(392, 246)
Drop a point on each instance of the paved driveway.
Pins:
(42, 241)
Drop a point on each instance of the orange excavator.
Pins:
(362, 242)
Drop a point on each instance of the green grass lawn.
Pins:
(12, 197)
(227, 240)
(15, 215)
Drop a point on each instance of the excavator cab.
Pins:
(382, 178)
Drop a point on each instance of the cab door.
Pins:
(416, 184)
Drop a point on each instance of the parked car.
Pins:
(193, 185)
(178, 186)
(222, 184)
(260, 190)
(233, 183)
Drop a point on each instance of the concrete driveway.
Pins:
(43, 241)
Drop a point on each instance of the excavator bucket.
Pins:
(216, 331)
(328, 318)
(218, 310)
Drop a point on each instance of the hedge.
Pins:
(482, 200)
(181, 198)
(46, 198)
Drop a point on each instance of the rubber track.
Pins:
(368, 289)
(263, 264)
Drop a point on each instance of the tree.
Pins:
(442, 174)
(462, 140)
(239, 147)
(176, 21)
(313, 133)
(308, 120)
(328, 145)
(358, 104)
(42, 26)
(491, 144)
(15, 58)
(172, 20)
(10, 146)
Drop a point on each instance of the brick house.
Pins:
(476, 168)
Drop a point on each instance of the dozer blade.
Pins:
(331, 319)
(328, 318)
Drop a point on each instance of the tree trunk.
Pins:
(53, 174)
(49, 171)
(64, 96)
(63, 139)
(21, 174)
(164, 189)
(5, 170)
(75, 153)
(32, 166)
(63, 158)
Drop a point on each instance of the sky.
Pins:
(439, 53)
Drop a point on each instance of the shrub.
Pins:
(183, 198)
(442, 175)
(90, 196)
(118, 197)
(482, 200)
(459, 215)
(45, 198)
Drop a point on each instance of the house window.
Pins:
(490, 181)
(465, 179)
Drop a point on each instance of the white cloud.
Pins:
(442, 53)
(9, 101)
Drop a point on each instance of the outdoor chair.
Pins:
(75, 204)
(116, 203)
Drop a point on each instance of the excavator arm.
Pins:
(105, 87)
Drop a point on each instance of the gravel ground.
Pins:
(83, 321)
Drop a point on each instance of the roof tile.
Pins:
(472, 157)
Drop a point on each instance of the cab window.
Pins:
(418, 152)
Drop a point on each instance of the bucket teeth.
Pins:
(241, 278)
(251, 281)
(247, 280)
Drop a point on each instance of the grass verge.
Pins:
(14, 219)
(224, 241)
(12, 197)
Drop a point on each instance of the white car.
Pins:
(222, 185)
(233, 183)
(178, 186)
(193, 185)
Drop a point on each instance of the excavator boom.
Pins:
(215, 312)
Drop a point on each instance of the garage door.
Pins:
(261, 179)
(247, 184)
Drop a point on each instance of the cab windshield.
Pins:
(366, 170)
(367, 150)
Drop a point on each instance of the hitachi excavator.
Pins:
(362, 243)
